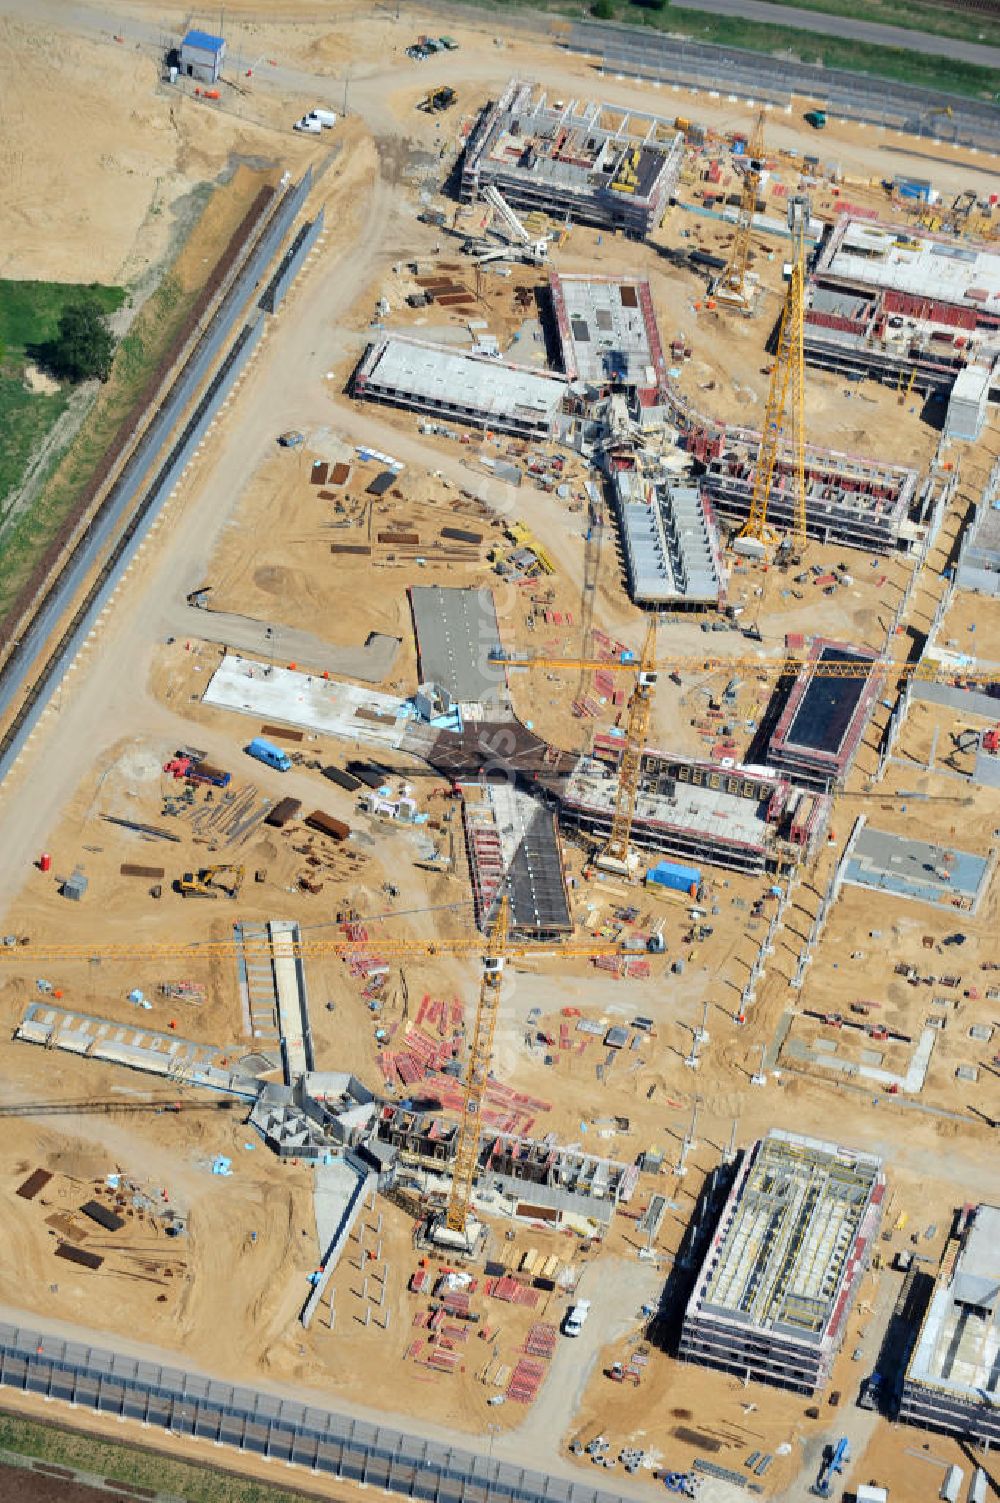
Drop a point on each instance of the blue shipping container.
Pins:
(672, 874)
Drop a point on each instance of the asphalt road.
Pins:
(846, 28)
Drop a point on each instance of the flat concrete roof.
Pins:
(789, 1235)
(712, 812)
(607, 330)
(437, 376)
(456, 634)
(913, 261)
(959, 1345)
(307, 700)
(914, 869)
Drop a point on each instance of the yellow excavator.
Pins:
(211, 882)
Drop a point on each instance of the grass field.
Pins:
(924, 70)
(135, 359)
(939, 20)
(132, 1465)
(936, 72)
(29, 315)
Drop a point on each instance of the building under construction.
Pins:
(740, 818)
(774, 1291)
(902, 305)
(516, 1176)
(582, 163)
(608, 334)
(513, 847)
(458, 386)
(952, 1382)
(861, 503)
(669, 543)
(824, 718)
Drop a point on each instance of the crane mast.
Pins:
(458, 1217)
(785, 397)
(616, 855)
(733, 286)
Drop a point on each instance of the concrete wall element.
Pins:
(965, 701)
(291, 264)
(127, 546)
(346, 1182)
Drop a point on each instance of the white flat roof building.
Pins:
(476, 390)
(953, 1379)
(922, 264)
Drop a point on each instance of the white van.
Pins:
(327, 119)
(575, 1317)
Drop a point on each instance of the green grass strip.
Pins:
(134, 1465)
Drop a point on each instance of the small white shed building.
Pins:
(201, 56)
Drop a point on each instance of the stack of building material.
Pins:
(541, 1339)
(512, 1291)
(526, 1380)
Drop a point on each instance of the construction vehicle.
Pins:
(815, 118)
(520, 244)
(212, 882)
(786, 395)
(437, 100)
(926, 116)
(834, 1458)
(733, 286)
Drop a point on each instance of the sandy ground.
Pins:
(249, 522)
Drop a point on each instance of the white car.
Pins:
(575, 1317)
(311, 127)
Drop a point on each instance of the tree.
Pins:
(604, 10)
(83, 346)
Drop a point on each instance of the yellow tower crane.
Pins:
(786, 395)
(733, 286)
(459, 1225)
(617, 854)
